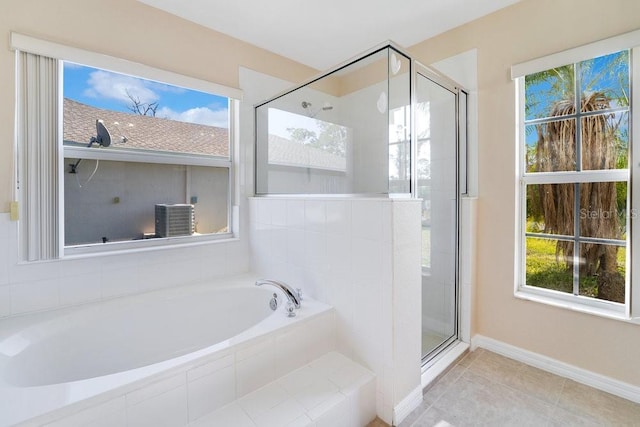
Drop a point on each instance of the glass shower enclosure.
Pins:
(379, 125)
(346, 132)
(440, 116)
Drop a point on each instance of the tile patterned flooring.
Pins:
(486, 389)
(377, 423)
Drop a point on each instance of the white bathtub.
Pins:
(59, 363)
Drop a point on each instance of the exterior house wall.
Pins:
(91, 212)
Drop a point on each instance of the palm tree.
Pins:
(600, 148)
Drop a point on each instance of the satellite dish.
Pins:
(103, 136)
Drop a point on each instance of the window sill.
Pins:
(615, 312)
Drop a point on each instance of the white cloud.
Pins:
(200, 115)
(103, 84)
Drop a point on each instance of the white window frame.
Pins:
(20, 42)
(603, 308)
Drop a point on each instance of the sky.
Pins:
(608, 73)
(107, 90)
(280, 121)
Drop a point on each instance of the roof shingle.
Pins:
(142, 132)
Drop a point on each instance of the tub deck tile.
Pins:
(328, 390)
(230, 415)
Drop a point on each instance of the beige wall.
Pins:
(131, 30)
(524, 31)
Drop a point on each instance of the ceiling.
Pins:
(324, 33)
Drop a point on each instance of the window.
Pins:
(134, 157)
(167, 146)
(575, 181)
(325, 137)
(306, 142)
(399, 148)
(423, 178)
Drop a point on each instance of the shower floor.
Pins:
(430, 340)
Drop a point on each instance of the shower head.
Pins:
(307, 106)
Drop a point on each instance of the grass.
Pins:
(544, 270)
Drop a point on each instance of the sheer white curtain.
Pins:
(37, 124)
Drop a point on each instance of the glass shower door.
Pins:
(437, 186)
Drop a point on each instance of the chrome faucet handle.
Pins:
(290, 309)
(299, 292)
(273, 302)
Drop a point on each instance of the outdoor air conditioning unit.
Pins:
(174, 220)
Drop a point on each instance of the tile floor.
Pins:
(377, 423)
(486, 389)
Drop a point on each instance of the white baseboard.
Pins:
(592, 379)
(408, 404)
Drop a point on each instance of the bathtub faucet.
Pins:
(294, 296)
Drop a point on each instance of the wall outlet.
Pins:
(13, 211)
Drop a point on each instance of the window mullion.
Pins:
(576, 238)
(633, 295)
(544, 120)
(570, 177)
(578, 116)
(576, 186)
(141, 156)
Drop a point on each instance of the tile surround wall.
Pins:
(348, 253)
(29, 287)
(362, 256)
(359, 255)
(179, 398)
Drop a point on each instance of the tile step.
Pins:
(330, 391)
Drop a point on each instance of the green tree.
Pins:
(332, 137)
(552, 94)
